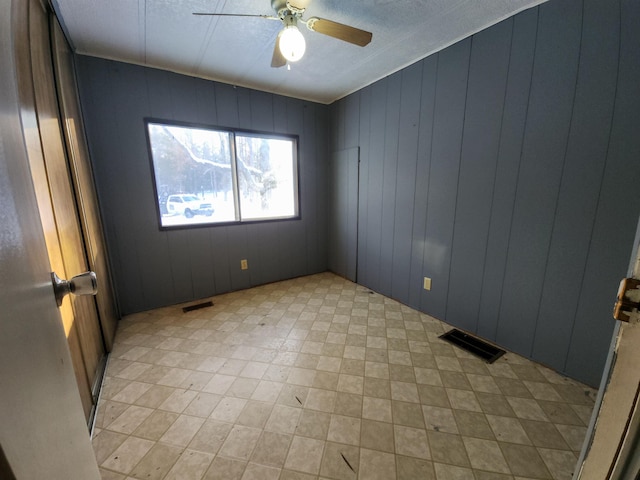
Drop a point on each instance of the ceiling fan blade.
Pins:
(269, 17)
(278, 59)
(340, 31)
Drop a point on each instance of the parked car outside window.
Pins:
(188, 205)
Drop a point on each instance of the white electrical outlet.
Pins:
(426, 283)
(244, 265)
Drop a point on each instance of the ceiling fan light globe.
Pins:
(292, 43)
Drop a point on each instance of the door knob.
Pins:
(82, 284)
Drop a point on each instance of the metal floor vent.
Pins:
(197, 306)
(473, 345)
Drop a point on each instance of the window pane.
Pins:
(267, 177)
(193, 173)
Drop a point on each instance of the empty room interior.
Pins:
(281, 235)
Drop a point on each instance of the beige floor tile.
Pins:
(350, 383)
(202, 405)
(283, 419)
(267, 391)
(178, 400)
(439, 419)
(210, 437)
(463, 400)
(524, 461)
(376, 409)
(225, 469)
(573, 435)
(450, 472)
(561, 413)
(260, 472)
(485, 455)
(428, 376)
(271, 449)
(408, 468)
(494, 404)
(301, 376)
(305, 455)
(377, 436)
(544, 434)
(182, 431)
(124, 458)
(348, 404)
(448, 448)
(155, 425)
(109, 475)
(329, 364)
(409, 414)
(560, 463)
(314, 424)
(377, 385)
(157, 462)
(473, 424)
(228, 409)
(325, 380)
(343, 429)
(377, 465)
(132, 392)
(243, 387)
(322, 400)
(340, 462)
(219, 384)
(154, 397)
(293, 395)
(255, 414)
(240, 442)
(105, 442)
(404, 391)
(508, 429)
(129, 420)
(411, 442)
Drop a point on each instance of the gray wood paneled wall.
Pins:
(507, 168)
(154, 268)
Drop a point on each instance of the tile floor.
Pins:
(317, 377)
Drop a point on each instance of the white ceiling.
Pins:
(164, 34)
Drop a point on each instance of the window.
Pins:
(208, 176)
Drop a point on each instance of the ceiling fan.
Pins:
(290, 44)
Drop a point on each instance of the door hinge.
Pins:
(628, 301)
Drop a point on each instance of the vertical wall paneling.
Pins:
(154, 267)
(318, 259)
(408, 126)
(427, 99)
(390, 167)
(293, 238)
(448, 121)
(221, 259)
(618, 208)
(543, 155)
(525, 197)
(343, 205)
(373, 227)
(483, 120)
(580, 187)
(523, 38)
(363, 121)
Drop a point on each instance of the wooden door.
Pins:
(43, 434)
(57, 201)
(82, 177)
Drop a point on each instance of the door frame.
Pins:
(614, 431)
